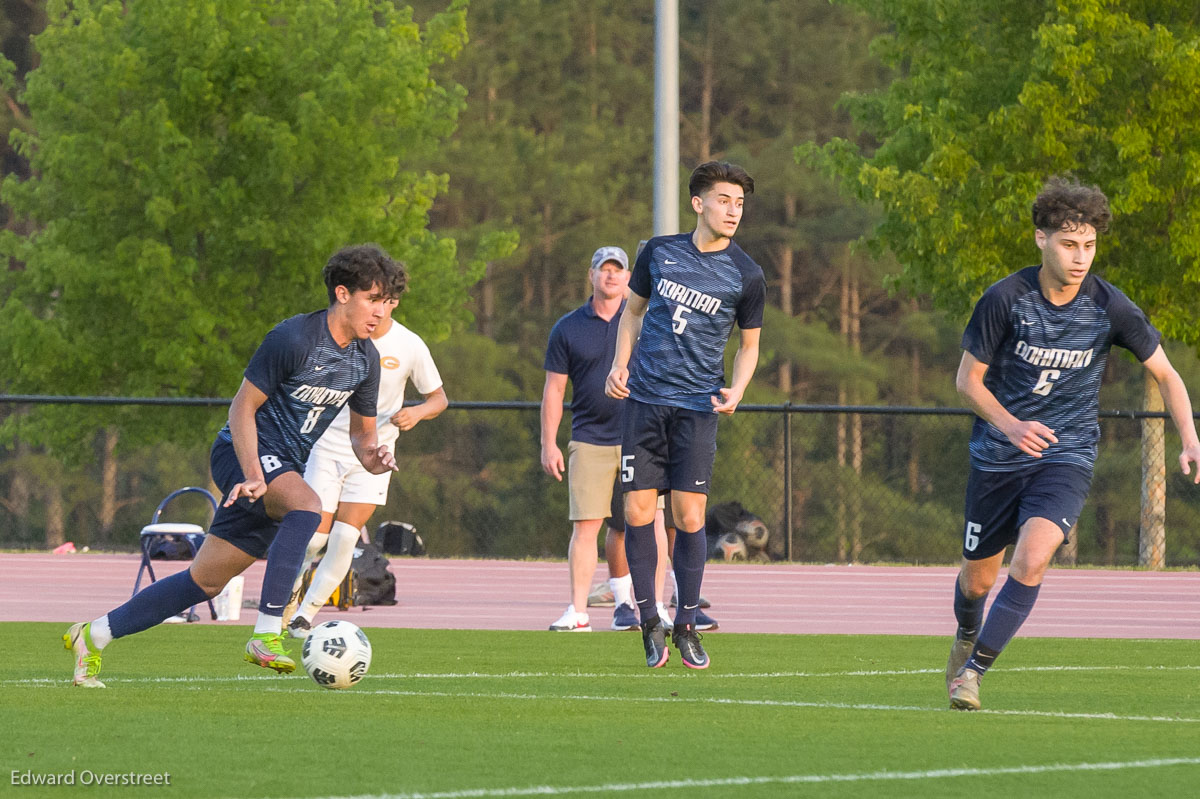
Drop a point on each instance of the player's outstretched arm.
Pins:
(435, 402)
(243, 429)
(551, 414)
(1029, 437)
(364, 440)
(1179, 405)
(627, 335)
(744, 364)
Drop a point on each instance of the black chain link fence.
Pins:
(833, 485)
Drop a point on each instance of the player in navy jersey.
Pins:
(1033, 355)
(304, 371)
(688, 291)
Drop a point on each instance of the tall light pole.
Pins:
(666, 117)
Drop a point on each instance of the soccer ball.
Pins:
(732, 546)
(756, 533)
(336, 654)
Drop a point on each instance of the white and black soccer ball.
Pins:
(336, 654)
(732, 546)
(755, 532)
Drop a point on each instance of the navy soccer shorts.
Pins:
(998, 503)
(667, 448)
(244, 524)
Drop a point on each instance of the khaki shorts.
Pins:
(591, 475)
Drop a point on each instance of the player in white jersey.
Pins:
(348, 492)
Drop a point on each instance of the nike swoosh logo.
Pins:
(690, 607)
(274, 607)
(701, 482)
(671, 263)
(1067, 523)
(318, 368)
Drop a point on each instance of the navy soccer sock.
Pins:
(285, 558)
(154, 603)
(641, 550)
(1008, 613)
(691, 550)
(969, 612)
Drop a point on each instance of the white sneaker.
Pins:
(664, 615)
(572, 622)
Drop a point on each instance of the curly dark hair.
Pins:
(710, 173)
(361, 266)
(1066, 204)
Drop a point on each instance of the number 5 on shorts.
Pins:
(626, 468)
(971, 540)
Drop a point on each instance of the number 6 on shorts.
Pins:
(971, 539)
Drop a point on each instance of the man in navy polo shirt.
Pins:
(580, 350)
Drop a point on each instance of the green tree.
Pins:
(993, 100)
(193, 165)
(555, 142)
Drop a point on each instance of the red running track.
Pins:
(519, 595)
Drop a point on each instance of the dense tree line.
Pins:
(525, 145)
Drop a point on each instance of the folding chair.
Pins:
(190, 534)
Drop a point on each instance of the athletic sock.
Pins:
(315, 545)
(969, 612)
(622, 588)
(691, 550)
(642, 553)
(1011, 608)
(339, 554)
(284, 559)
(157, 601)
(268, 625)
(100, 632)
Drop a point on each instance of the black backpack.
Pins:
(373, 583)
(399, 538)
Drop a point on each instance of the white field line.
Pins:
(769, 703)
(794, 779)
(510, 675)
(270, 684)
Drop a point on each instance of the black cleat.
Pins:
(687, 641)
(654, 638)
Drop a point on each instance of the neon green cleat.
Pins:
(78, 639)
(266, 650)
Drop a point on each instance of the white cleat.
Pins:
(572, 622)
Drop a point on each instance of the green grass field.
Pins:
(479, 714)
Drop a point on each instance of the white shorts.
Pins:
(336, 480)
